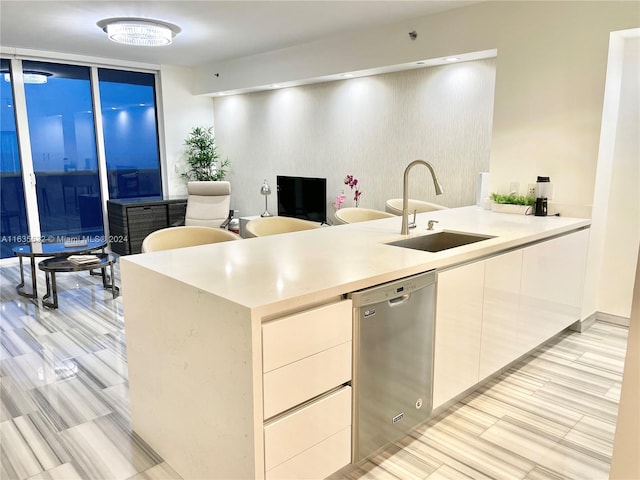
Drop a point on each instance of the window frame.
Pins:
(22, 125)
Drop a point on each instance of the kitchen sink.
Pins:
(436, 242)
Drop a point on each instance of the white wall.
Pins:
(370, 127)
(181, 111)
(623, 234)
(616, 230)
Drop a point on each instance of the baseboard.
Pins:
(584, 324)
(615, 319)
(587, 322)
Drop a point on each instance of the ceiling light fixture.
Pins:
(451, 59)
(143, 32)
(30, 76)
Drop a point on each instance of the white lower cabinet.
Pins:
(493, 311)
(318, 462)
(307, 361)
(458, 331)
(297, 336)
(312, 442)
(551, 288)
(300, 381)
(500, 312)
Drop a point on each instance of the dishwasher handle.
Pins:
(399, 300)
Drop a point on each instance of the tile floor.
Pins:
(64, 403)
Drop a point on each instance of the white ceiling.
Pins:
(211, 30)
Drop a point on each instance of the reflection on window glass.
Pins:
(13, 227)
(130, 133)
(63, 147)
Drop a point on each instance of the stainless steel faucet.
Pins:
(405, 192)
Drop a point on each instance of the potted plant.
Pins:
(202, 156)
(511, 203)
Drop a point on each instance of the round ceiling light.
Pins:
(142, 32)
(29, 76)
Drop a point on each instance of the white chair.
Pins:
(260, 227)
(357, 214)
(208, 203)
(394, 205)
(180, 237)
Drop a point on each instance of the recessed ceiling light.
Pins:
(347, 75)
(143, 32)
(451, 59)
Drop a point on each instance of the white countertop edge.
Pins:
(277, 273)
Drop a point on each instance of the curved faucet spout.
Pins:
(405, 191)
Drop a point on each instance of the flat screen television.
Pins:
(302, 197)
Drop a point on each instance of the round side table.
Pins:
(54, 265)
(49, 249)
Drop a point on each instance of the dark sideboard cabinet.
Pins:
(132, 219)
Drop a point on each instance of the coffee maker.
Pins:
(544, 190)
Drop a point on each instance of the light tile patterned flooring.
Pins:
(64, 410)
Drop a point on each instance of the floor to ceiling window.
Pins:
(133, 160)
(56, 112)
(63, 149)
(13, 224)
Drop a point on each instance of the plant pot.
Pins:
(510, 208)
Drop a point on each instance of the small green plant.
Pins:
(202, 156)
(513, 199)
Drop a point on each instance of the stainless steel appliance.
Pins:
(393, 360)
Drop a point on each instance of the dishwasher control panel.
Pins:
(389, 291)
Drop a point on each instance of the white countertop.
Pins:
(277, 272)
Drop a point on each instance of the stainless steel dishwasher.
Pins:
(393, 360)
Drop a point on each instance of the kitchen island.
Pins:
(234, 348)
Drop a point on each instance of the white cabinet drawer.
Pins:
(317, 462)
(303, 334)
(300, 381)
(302, 429)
